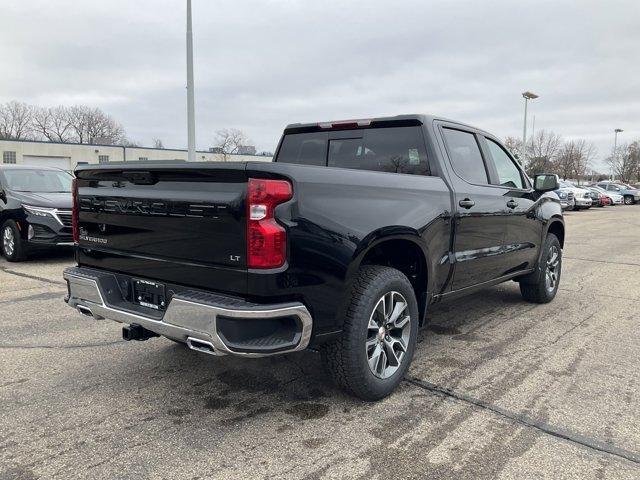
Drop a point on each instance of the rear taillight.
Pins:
(74, 212)
(266, 238)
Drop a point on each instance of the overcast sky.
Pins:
(262, 64)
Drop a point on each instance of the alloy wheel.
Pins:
(8, 241)
(388, 334)
(553, 268)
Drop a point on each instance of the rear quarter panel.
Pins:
(335, 216)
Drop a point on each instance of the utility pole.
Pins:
(191, 119)
(615, 149)
(527, 96)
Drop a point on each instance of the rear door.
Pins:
(186, 225)
(480, 228)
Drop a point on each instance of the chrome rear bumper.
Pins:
(190, 316)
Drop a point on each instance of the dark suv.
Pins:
(35, 210)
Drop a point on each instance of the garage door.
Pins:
(39, 161)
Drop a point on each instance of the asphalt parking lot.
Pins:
(498, 389)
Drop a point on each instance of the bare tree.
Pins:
(514, 145)
(626, 163)
(574, 159)
(15, 120)
(157, 143)
(92, 125)
(229, 141)
(634, 152)
(542, 151)
(54, 124)
(565, 159)
(585, 152)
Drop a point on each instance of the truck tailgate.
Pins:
(185, 224)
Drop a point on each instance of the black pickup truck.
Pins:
(339, 245)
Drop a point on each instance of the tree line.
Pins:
(548, 152)
(65, 124)
(89, 125)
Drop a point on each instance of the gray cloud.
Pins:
(262, 64)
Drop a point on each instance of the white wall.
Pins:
(89, 153)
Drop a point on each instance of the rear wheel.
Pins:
(12, 247)
(542, 285)
(379, 335)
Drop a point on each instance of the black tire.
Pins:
(347, 359)
(13, 249)
(628, 200)
(535, 288)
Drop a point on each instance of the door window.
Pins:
(508, 174)
(394, 150)
(304, 149)
(465, 156)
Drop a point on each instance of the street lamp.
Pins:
(527, 96)
(615, 149)
(191, 121)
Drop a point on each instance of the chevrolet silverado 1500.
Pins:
(340, 244)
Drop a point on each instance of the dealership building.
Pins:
(67, 155)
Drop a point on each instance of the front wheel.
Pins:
(12, 246)
(379, 334)
(542, 285)
(628, 200)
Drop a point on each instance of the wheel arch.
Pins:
(403, 250)
(556, 226)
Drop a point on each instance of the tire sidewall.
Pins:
(17, 249)
(549, 242)
(378, 387)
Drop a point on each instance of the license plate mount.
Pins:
(149, 294)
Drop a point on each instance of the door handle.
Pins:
(466, 203)
(512, 204)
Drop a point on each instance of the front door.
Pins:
(523, 235)
(480, 209)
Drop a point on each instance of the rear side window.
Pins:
(465, 155)
(304, 149)
(395, 150)
(508, 174)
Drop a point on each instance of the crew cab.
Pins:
(339, 245)
(35, 210)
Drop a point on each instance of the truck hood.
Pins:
(49, 200)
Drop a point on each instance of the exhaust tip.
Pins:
(201, 346)
(86, 311)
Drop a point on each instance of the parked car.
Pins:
(581, 195)
(35, 210)
(598, 199)
(630, 195)
(566, 198)
(339, 244)
(614, 198)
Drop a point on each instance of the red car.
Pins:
(599, 199)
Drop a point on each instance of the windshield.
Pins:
(40, 181)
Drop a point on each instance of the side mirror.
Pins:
(545, 182)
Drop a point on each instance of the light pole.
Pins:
(191, 120)
(527, 96)
(615, 149)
